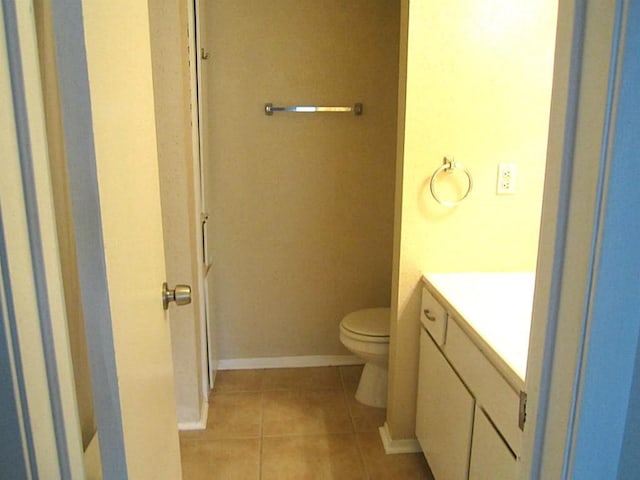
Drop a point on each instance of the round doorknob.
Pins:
(181, 294)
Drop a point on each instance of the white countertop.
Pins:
(497, 306)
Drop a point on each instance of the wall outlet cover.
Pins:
(506, 182)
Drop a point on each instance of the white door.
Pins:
(110, 139)
(203, 61)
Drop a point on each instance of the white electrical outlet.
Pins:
(506, 179)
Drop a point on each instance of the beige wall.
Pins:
(301, 205)
(171, 84)
(478, 86)
(64, 221)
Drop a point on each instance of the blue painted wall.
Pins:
(628, 145)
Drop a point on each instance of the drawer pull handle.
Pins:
(429, 316)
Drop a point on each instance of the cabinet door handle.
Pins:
(428, 314)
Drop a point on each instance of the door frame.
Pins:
(76, 112)
(575, 346)
(206, 340)
(32, 315)
(68, 21)
(196, 32)
(120, 442)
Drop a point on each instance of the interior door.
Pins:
(202, 62)
(113, 169)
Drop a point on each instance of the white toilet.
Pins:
(366, 334)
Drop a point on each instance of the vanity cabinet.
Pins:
(444, 414)
(490, 456)
(467, 412)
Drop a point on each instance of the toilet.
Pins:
(366, 334)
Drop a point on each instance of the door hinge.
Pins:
(204, 217)
(522, 410)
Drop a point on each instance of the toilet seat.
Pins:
(368, 325)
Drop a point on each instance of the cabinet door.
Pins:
(497, 396)
(490, 456)
(444, 418)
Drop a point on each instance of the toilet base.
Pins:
(372, 389)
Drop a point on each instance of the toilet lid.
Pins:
(373, 322)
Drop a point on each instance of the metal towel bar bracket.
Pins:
(269, 109)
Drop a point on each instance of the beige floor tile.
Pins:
(193, 435)
(320, 378)
(313, 457)
(238, 381)
(301, 412)
(307, 432)
(351, 376)
(229, 459)
(407, 466)
(234, 415)
(364, 417)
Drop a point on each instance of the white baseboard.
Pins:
(288, 362)
(403, 445)
(199, 424)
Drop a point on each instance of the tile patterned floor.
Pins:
(297, 423)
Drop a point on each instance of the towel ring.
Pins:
(448, 165)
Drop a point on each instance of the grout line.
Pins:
(363, 463)
(347, 398)
(306, 434)
(341, 376)
(262, 378)
(261, 446)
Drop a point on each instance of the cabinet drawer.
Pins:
(433, 317)
(492, 392)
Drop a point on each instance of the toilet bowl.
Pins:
(366, 334)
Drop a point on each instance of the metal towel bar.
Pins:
(269, 109)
